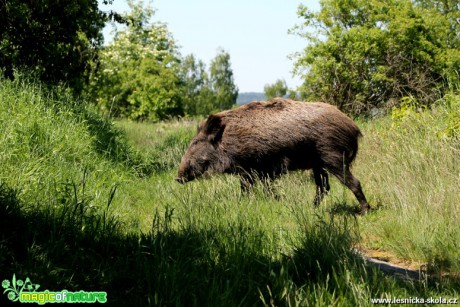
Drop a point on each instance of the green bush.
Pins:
(367, 54)
(138, 75)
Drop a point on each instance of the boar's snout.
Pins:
(184, 174)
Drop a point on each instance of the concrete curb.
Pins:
(395, 270)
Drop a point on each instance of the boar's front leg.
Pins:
(322, 184)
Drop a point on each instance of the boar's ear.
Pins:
(214, 128)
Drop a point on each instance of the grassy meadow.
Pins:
(90, 204)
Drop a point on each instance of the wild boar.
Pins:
(263, 140)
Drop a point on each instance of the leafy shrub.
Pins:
(366, 54)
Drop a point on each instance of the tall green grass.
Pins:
(412, 170)
(86, 206)
(49, 139)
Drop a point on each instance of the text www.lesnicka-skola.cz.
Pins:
(415, 300)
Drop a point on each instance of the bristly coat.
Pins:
(266, 139)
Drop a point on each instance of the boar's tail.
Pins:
(354, 149)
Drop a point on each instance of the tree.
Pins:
(221, 82)
(198, 98)
(370, 53)
(208, 92)
(450, 9)
(138, 75)
(57, 40)
(293, 94)
(277, 89)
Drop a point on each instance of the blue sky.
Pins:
(253, 32)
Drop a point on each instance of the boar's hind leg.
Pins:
(322, 184)
(347, 178)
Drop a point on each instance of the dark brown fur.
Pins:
(266, 139)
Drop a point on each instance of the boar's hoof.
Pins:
(364, 209)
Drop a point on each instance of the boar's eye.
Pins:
(197, 140)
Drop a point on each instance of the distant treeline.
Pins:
(247, 97)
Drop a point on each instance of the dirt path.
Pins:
(391, 265)
(395, 270)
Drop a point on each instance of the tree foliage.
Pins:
(221, 81)
(198, 96)
(143, 76)
(138, 74)
(208, 91)
(57, 40)
(370, 53)
(277, 89)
